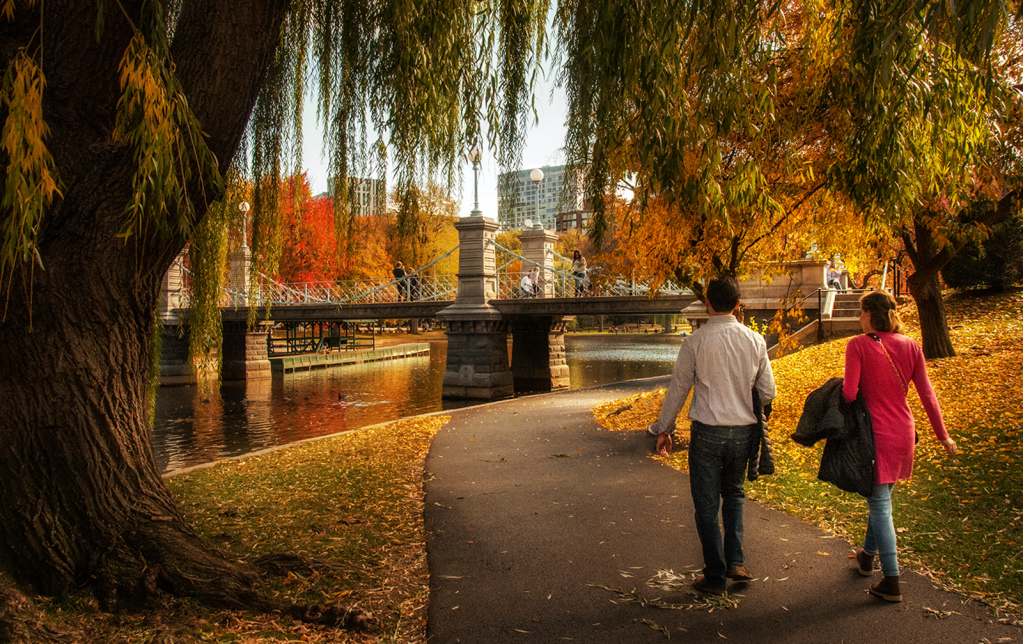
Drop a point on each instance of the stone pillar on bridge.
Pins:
(245, 352)
(174, 367)
(538, 354)
(172, 291)
(477, 361)
(538, 246)
(240, 261)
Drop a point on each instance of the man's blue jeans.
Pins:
(718, 458)
(880, 538)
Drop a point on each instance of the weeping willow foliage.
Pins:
(400, 82)
(660, 92)
(154, 120)
(207, 256)
(31, 181)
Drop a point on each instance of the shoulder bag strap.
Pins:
(876, 338)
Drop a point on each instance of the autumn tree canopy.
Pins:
(121, 121)
(749, 131)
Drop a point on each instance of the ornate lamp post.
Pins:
(244, 208)
(537, 176)
(475, 155)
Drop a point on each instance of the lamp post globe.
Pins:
(536, 176)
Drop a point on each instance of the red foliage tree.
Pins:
(310, 246)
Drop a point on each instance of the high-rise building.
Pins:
(368, 196)
(517, 197)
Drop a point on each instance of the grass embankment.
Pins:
(351, 503)
(960, 519)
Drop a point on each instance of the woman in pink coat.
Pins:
(879, 365)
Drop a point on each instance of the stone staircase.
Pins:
(842, 321)
(846, 306)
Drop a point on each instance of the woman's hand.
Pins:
(950, 446)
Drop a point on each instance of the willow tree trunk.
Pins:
(83, 502)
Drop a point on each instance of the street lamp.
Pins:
(537, 176)
(244, 208)
(475, 155)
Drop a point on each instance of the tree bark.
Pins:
(83, 501)
(936, 341)
(928, 258)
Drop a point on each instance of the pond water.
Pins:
(246, 417)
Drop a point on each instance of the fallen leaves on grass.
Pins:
(347, 510)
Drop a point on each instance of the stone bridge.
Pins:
(478, 322)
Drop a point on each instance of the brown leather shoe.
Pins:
(704, 586)
(887, 589)
(865, 562)
(739, 573)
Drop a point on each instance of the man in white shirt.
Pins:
(722, 362)
(529, 285)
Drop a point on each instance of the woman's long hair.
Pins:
(883, 316)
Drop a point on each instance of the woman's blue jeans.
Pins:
(880, 538)
(718, 457)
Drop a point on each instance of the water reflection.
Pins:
(602, 359)
(245, 417)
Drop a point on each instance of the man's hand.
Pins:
(664, 444)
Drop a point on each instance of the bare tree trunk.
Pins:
(83, 500)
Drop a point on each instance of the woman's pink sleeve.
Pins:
(926, 393)
(853, 368)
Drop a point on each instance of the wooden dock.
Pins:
(306, 362)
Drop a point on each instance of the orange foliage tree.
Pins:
(310, 251)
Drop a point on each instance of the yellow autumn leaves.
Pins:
(153, 117)
(354, 500)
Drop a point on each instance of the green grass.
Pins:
(351, 503)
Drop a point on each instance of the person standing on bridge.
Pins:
(579, 272)
(399, 280)
(722, 362)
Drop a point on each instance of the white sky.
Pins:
(544, 143)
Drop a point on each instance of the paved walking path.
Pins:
(529, 503)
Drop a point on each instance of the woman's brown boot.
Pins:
(865, 563)
(887, 589)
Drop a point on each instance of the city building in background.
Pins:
(574, 220)
(561, 200)
(369, 196)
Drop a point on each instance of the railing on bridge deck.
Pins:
(425, 288)
(420, 286)
(509, 286)
(565, 284)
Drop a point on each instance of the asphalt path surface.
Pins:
(534, 511)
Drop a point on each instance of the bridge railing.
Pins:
(416, 288)
(509, 286)
(419, 288)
